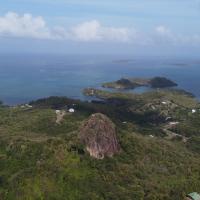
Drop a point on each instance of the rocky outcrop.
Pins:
(98, 134)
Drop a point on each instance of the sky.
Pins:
(145, 27)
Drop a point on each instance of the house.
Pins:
(71, 110)
(57, 111)
(29, 106)
(193, 111)
(193, 196)
(168, 118)
(173, 123)
(26, 106)
(166, 102)
(92, 92)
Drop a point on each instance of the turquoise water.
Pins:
(27, 77)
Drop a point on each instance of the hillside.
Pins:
(132, 83)
(42, 159)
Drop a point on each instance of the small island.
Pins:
(132, 83)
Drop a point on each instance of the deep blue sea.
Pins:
(27, 77)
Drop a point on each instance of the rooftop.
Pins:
(194, 196)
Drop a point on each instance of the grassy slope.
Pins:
(42, 160)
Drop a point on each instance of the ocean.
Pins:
(28, 77)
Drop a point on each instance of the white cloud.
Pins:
(94, 31)
(26, 25)
(117, 34)
(14, 25)
(87, 31)
(166, 36)
(162, 34)
(162, 30)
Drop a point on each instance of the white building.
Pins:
(193, 111)
(71, 110)
(173, 123)
(29, 106)
(168, 118)
(57, 111)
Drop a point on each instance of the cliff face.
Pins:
(99, 136)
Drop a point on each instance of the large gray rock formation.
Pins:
(98, 134)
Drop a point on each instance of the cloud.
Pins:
(87, 31)
(94, 31)
(162, 30)
(28, 26)
(14, 25)
(163, 34)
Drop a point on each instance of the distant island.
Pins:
(132, 83)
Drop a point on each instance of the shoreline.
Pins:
(89, 98)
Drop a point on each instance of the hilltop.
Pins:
(132, 83)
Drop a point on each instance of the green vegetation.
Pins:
(40, 159)
(123, 83)
(161, 82)
(194, 144)
(131, 83)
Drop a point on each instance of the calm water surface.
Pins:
(28, 77)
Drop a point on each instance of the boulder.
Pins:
(98, 134)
